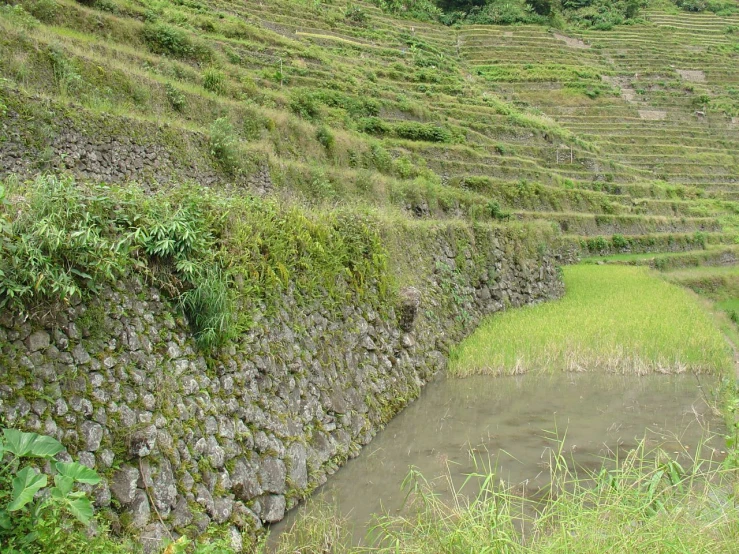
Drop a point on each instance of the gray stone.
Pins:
(204, 498)
(222, 508)
(244, 518)
(273, 508)
(244, 481)
(92, 435)
(102, 495)
(164, 488)
(106, 457)
(182, 515)
(139, 510)
(153, 537)
(297, 462)
(235, 540)
(272, 475)
(80, 355)
(86, 459)
(368, 344)
(38, 341)
(216, 454)
(141, 442)
(123, 485)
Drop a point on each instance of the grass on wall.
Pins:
(620, 319)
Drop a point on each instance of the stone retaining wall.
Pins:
(236, 437)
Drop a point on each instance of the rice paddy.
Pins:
(612, 318)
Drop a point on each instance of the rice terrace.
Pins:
(353, 276)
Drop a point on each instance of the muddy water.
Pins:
(457, 427)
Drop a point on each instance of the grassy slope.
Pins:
(546, 130)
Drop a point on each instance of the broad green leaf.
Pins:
(63, 486)
(31, 444)
(5, 522)
(78, 472)
(81, 508)
(26, 484)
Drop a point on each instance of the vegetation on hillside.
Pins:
(612, 136)
(60, 239)
(596, 14)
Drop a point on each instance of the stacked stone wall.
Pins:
(185, 439)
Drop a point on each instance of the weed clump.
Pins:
(175, 98)
(223, 145)
(172, 41)
(214, 80)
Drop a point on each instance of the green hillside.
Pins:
(341, 155)
(631, 132)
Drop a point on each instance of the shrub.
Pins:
(208, 307)
(424, 10)
(620, 242)
(412, 130)
(175, 97)
(58, 246)
(68, 80)
(66, 241)
(496, 212)
(214, 80)
(325, 137)
(373, 126)
(253, 124)
(303, 104)
(597, 244)
(355, 14)
(44, 10)
(223, 145)
(166, 39)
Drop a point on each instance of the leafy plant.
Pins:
(208, 306)
(325, 137)
(166, 39)
(59, 246)
(23, 507)
(223, 145)
(355, 14)
(175, 97)
(214, 80)
(619, 242)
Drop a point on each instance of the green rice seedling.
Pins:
(620, 319)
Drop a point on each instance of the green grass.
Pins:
(646, 502)
(716, 283)
(620, 319)
(649, 504)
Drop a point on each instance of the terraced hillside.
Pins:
(281, 215)
(630, 133)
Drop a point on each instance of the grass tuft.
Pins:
(649, 503)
